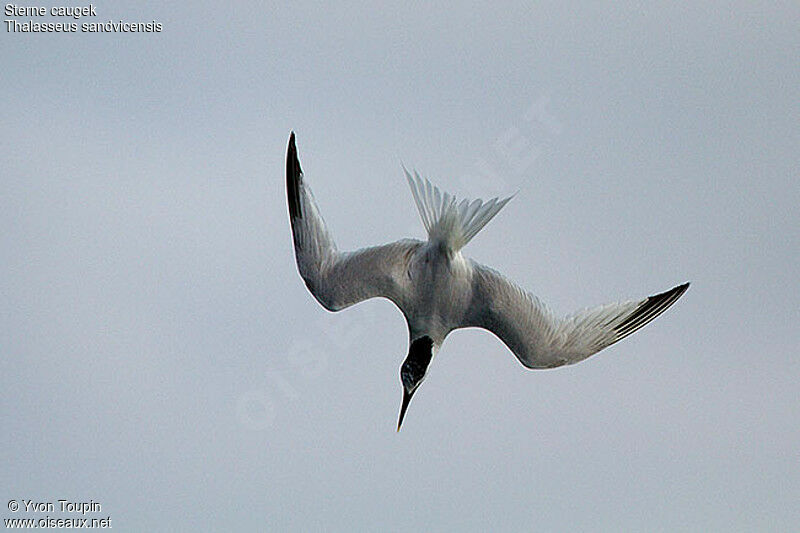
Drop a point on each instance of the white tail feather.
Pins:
(447, 220)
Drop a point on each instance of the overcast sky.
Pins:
(161, 355)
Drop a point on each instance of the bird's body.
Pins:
(439, 290)
(438, 293)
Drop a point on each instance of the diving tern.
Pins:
(439, 290)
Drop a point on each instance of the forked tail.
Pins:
(447, 220)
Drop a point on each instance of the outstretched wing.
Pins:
(339, 279)
(538, 338)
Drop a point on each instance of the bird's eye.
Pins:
(409, 375)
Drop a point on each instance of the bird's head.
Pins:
(412, 372)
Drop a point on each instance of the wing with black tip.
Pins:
(538, 338)
(339, 279)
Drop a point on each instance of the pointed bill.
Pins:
(406, 399)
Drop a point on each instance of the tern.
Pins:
(438, 290)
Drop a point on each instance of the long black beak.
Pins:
(406, 399)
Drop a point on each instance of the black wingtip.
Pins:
(650, 309)
(293, 176)
(680, 289)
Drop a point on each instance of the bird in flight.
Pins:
(439, 290)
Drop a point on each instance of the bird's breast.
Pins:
(441, 288)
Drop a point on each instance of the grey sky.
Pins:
(161, 355)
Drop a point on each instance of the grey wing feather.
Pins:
(339, 279)
(538, 338)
